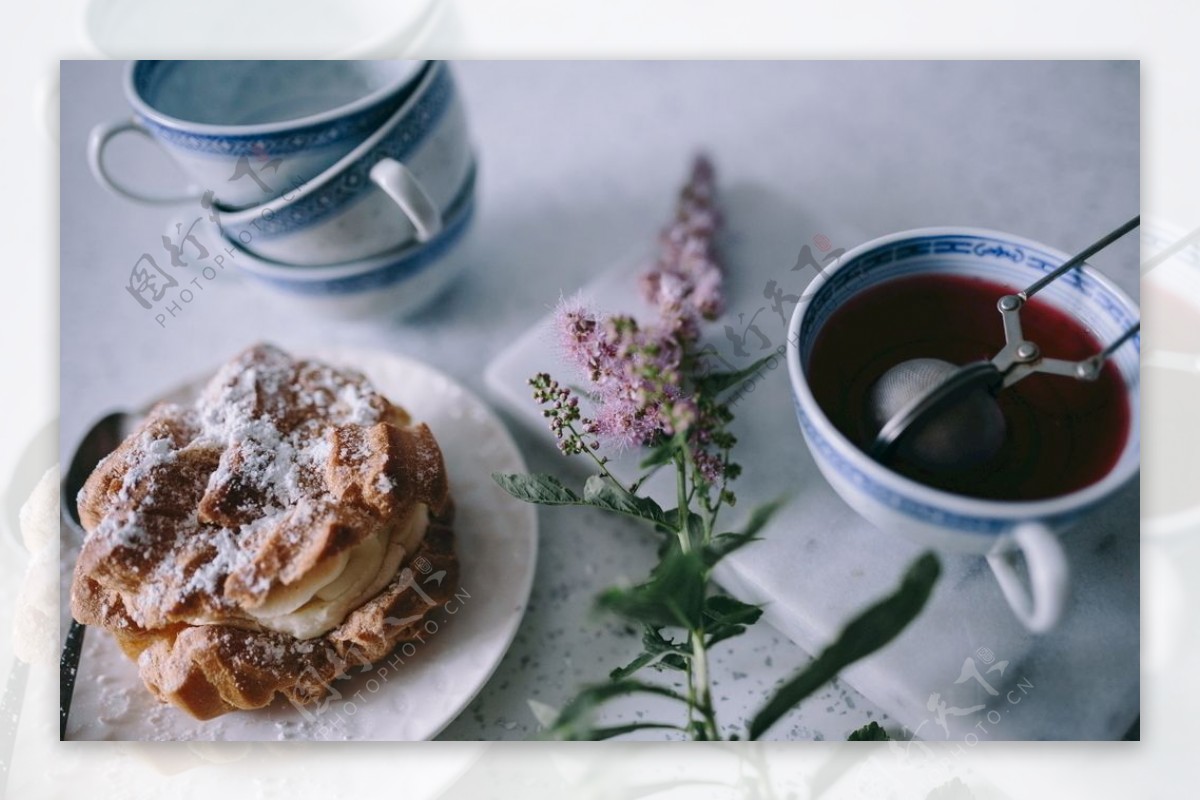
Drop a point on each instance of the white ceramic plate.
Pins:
(497, 549)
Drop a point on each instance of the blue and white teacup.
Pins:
(247, 131)
(393, 284)
(388, 192)
(935, 517)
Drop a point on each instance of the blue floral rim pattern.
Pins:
(405, 267)
(918, 250)
(405, 137)
(310, 137)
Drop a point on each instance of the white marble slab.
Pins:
(819, 563)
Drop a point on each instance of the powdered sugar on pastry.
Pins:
(286, 497)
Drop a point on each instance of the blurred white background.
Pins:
(1161, 34)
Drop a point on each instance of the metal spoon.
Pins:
(100, 441)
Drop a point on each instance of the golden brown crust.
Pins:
(210, 670)
(206, 513)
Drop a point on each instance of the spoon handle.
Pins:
(68, 669)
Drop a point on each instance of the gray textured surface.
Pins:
(579, 162)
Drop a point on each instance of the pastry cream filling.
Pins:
(342, 583)
(321, 601)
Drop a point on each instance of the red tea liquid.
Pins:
(1062, 434)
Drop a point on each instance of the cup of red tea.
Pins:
(1067, 446)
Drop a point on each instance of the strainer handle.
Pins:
(1040, 605)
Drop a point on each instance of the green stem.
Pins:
(704, 701)
(600, 462)
(699, 693)
(691, 684)
(712, 520)
(696, 485)
(681, 488)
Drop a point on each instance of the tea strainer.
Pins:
(945, 416)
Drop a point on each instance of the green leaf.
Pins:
(722, 610)
(672, 596)
(608, 732)
(603, 493)
(716, 383)
(724, 633)
(871, 732)
(762, 515)
(654, 642)
(536, 488)
(574, 722)
(695, 530)
(659, 662)
(674, 661)
(724, 544)
(727, 617)
(658, 652)
(599, 492)
(672, 655)
(666, 543)
(670, 527)
(639, 662)
(868, 632)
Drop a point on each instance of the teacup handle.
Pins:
(1041, 605)
(101, 135)
(403, 187)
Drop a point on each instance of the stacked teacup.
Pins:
(342, 184)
